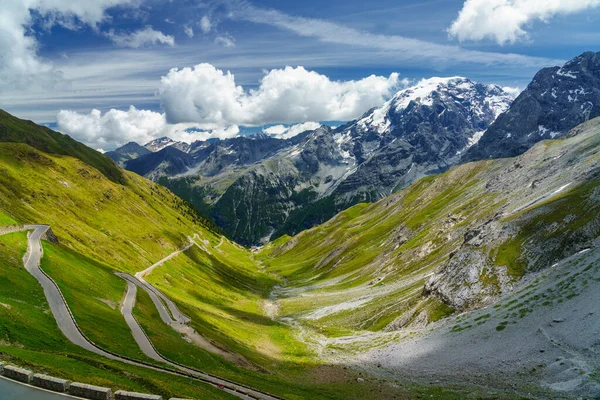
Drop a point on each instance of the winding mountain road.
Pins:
(178, 316)
(67, 324)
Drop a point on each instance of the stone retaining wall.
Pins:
(4, 230)
(123, 395)
(75, 389)
(90, 391)
(50, 383)
(18, 374)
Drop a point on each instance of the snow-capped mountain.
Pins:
(557, 100)
(480, 100)
(157, 145)
(421, 130)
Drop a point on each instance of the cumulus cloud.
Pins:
(286, 132)
(513, 91)
(140, 38)
(210, 97)
(205, 24)
(505, 20)
(117, 127)
(20, 64)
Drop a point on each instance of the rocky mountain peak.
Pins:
(480, 104)
(163, 142)
(557, 100)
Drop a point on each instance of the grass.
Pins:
(363, 244)
(291, 380)
(6, 220)
(93, 293)
(13, 129)
(125, 226)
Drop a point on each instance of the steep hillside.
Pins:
(104, 227)
(16, 130)
(288, 318)
(123, 225)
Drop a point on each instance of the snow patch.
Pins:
(567, 74)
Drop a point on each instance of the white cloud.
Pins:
(205, 24)
(225, 41)
(20, 64)
(117, 127)
(513, 91)
(140, 38)
(210, 97)
(286, 132)
(188, 31)
(504, 20)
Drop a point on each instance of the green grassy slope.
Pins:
(104, 227)
(93, 292)
(127, 226)
(13, 129)
(356, 281)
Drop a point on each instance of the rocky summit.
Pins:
(557, 100)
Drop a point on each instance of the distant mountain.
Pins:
(557, 100)
(169, 161)
(163, 142)
(15, 130)
(127, 152)
(259, 187)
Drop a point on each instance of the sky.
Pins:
(108, 72)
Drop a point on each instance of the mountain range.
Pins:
(258, 188)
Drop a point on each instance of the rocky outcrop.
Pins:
(468, 280)
(50, 236)
(557, 100)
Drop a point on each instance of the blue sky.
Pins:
(85, 57)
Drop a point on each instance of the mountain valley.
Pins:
(444, 245)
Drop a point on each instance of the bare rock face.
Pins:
(50, 236)
(557, 100)
(468, 280)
